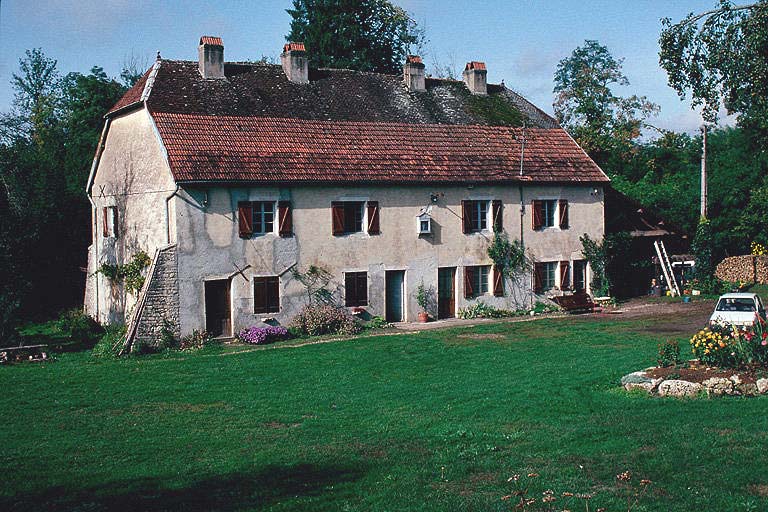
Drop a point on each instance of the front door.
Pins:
(446, 292)
(579, 276)
(395, 295)
(217, 312)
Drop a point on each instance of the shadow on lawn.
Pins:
(236, 491)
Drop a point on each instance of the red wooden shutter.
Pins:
(337, 216)
(538, 277)
(538, 213)
(498, 282)
(259, 295)
(563, 207)
(565, 276)
(245, 218)
(104, 213)
(285, 216)
(498, 221)
(373, 218)
(466, 216)
(469, 278)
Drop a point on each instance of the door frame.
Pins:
(454, 271)
(403, 295)
(228, 289)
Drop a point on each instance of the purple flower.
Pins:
(263, 335)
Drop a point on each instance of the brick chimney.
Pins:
(475, 76)
(210, 55)
(295, 63)
(413, 73)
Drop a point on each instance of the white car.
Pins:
(737, 309)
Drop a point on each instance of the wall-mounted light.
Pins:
(433, 198)
(595, 192)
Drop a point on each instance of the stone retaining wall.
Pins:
(161, 303)
(748, 269)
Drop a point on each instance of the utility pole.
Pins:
(704, 172)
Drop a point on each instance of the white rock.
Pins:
(762, 386)
(679, 388)
(718, 386)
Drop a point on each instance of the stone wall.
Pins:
(161, 302)
(747, 269)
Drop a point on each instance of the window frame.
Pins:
(480, 280)
(263, 213)
(109, 221)
(549, 215)
(269, 307)
(480, 211)
(359, 289)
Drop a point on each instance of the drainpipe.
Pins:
(168, 215)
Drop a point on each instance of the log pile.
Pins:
(745, 269)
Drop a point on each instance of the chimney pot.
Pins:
(475, 77)
(295, 62)
(210, 54)
(413, 73)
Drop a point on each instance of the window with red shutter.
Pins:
(355, 288)
(565, 276)
(563, 207)
(266, 294)
(469, 278)
(347, 217)
(373, 218)
(498, 282)
(498, 220)
(538, 277)
(245, 219)
(105, 222)
(466, 220)
(285, 218)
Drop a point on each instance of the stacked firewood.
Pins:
(743, 269)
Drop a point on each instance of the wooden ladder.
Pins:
(666, 267)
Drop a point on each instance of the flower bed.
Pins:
(263, 335)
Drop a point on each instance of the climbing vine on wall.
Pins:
(130, 274)
(509, 256)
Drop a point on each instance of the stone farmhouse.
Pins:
(232, 176)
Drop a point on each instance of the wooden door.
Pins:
(218, 317)
(579, 276)
(446, 292)
(395, 295)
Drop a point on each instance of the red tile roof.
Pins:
(238, 148)
(213, 40)
(133, 95)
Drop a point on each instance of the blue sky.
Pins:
(521, 41)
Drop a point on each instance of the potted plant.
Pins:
(422, 297)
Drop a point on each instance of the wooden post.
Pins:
(704, 172)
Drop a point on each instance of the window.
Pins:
(424, 224)
(355, 288)
(549, 213)
(545, 275)
(348, 217)
(109, 221)
(476, 281)
(474, 216)
(266, 295)
(263, 217)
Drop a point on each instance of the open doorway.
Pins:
(218, 315)
(446, 292)
(395, 295)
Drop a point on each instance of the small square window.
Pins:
(356, 288)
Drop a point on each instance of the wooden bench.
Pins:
(576, 303)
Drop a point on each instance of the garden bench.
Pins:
(577, 303)
(23, 353)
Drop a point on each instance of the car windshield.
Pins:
(740, 305)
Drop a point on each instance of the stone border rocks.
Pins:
(713, 386)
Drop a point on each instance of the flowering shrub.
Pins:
(729, 346)
(317, 320)
(263, 335)
(669, 354)
(758, 249)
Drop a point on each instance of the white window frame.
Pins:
(555, 271)
(274, 216)
(482, 282)
(555, 213)
(481, 219)
(364, 213)
(111, 212)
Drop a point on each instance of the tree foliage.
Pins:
(365, 35)
(602, 122)
(720, 57)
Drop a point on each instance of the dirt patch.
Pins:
(280, 426)
(700, 373)
(759, 490)
(480, 336)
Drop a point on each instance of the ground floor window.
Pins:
(356, 288)
(579, 275)
(266, 294)
(545, 276)
(476, 280)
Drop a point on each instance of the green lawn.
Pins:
(431, 421)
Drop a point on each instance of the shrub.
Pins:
(541, 308)
(263, 335)
(196, 340)
(111, 342)
(377, 322)
(316, 320)
(481, 310)
(729, 346)
(78, 326)
(669, 354)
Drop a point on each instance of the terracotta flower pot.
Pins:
(423, 317)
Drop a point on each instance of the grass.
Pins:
(431, 421)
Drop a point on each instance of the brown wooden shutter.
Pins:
(285, 218)
(563, 207)
(259, 295)
(104, 213)
(373, 218)
(498, 282)
(361, 283)
(498, 221)
(466, 216)
(469, 278)
(337, 216)
(245, 218)
(537, 208)
(538, 277)
(273, 294)
(565, 276)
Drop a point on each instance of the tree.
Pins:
(366, 35)
(719, 56)
(601, 122)
(752, 225)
